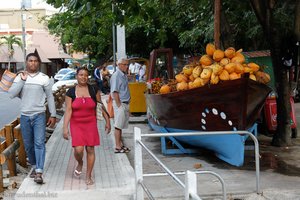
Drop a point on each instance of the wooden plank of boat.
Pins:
(231, 105)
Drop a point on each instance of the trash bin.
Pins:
(270, 111)
(138, 100)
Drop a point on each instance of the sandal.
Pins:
(126, 148)
(89, 181)
(120, 150)
(32, 174)
(77, 173)
(38, 178)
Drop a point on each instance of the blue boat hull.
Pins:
(229, 148)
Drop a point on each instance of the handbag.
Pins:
(110, 108)
(7, 80)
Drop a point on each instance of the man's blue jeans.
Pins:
(33, 131)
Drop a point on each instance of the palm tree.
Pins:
(10, 41)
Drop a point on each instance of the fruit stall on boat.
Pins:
(194, 102)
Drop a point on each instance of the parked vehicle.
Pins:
(110, 68)
(61, 73)
(68, 80)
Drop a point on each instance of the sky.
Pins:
(17, 4)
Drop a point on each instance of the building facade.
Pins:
(28, 24)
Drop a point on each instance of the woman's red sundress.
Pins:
(83, 123)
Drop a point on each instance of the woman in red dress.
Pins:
(81, 102)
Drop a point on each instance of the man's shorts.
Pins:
(121, 117)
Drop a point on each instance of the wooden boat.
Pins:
(230, 105)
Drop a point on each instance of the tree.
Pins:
(280, 28)
(149, 24)
(10, 41)
(87, 25)
(183, 25)
(281, 40)
(187, 26)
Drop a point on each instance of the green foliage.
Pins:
(185, 25)
(85, 26)
(10, 41)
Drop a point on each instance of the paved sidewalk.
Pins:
(113, 174)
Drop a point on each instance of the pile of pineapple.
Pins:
(214, 67)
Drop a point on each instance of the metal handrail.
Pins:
(169, 172)
(177, 180)
(192, 194)
(146, 190)
(138, 154)
(256, 146)
(196, 172)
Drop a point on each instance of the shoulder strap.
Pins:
(92, 92)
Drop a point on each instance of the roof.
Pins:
(41, 53)
(254, 54)
(64, 55)
(49, 44)
(17, 57)
(18, 54)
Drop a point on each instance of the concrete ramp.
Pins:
(113, 174)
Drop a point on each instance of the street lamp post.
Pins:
(114, 39)
(23, 17)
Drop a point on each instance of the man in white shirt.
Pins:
(131, 68)
(142, 72)
(134, 68)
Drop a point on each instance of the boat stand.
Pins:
(253, 130)
(177, 148)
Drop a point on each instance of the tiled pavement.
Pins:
(113, 174)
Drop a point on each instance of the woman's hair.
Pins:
(82, 68)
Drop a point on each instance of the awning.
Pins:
(41, 53)
(63, 56)
(18, 56)
(49, 43)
